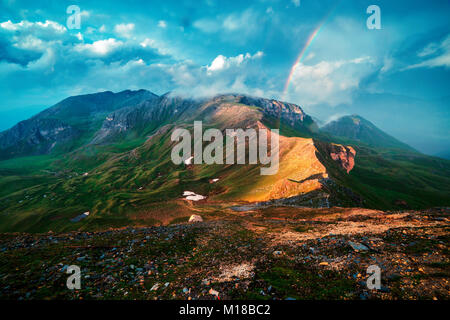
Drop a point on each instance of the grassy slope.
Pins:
(385, 176)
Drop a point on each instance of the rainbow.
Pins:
(310, 39)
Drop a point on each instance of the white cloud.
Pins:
(240, 21)
(162, 24)
(207, 25)
(148, 43)
(235, 27)
(296, 3)
(25, 25)
(439, 51)
(310, 56)
(328, 81)
(85, 14)
(79, 36)
(387, 65)
(124, 29)
(428, 50)
(221, 62)
(29, 43)
(45, 63)
(100, 47)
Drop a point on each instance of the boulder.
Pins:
(195, 218)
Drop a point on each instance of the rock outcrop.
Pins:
(344, 155)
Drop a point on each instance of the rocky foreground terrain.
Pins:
(267, 253)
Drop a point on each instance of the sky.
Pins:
(320, 55)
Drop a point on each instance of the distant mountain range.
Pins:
(359, 130)
(420, 123)
(109, 154)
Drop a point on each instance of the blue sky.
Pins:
(205, 47)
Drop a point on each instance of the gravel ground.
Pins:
(271, 253)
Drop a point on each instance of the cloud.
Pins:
(153, 44)
(100, 47)
(296, 3)
(26, 41)
(234, 27)
(71, 63)
(239, 74)
(222, 63)
(332, 82)
(30, 42)
(162, 24)
(45, 63)
(33, 26)
(388, 64)
(207, 25)
(439, 52)
(148, 43)
(85, 14)
(240, 21)
(124, 30)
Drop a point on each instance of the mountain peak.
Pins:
(356, 128)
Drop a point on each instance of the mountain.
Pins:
(60, 126)
(420, 123)
(113, 159)
(357, 129)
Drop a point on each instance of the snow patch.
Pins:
(193, 196)
(80, 217)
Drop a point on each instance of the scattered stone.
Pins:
(206, 282)
(358, 246)
(155, 287)
(195, 218)
(213, 292)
